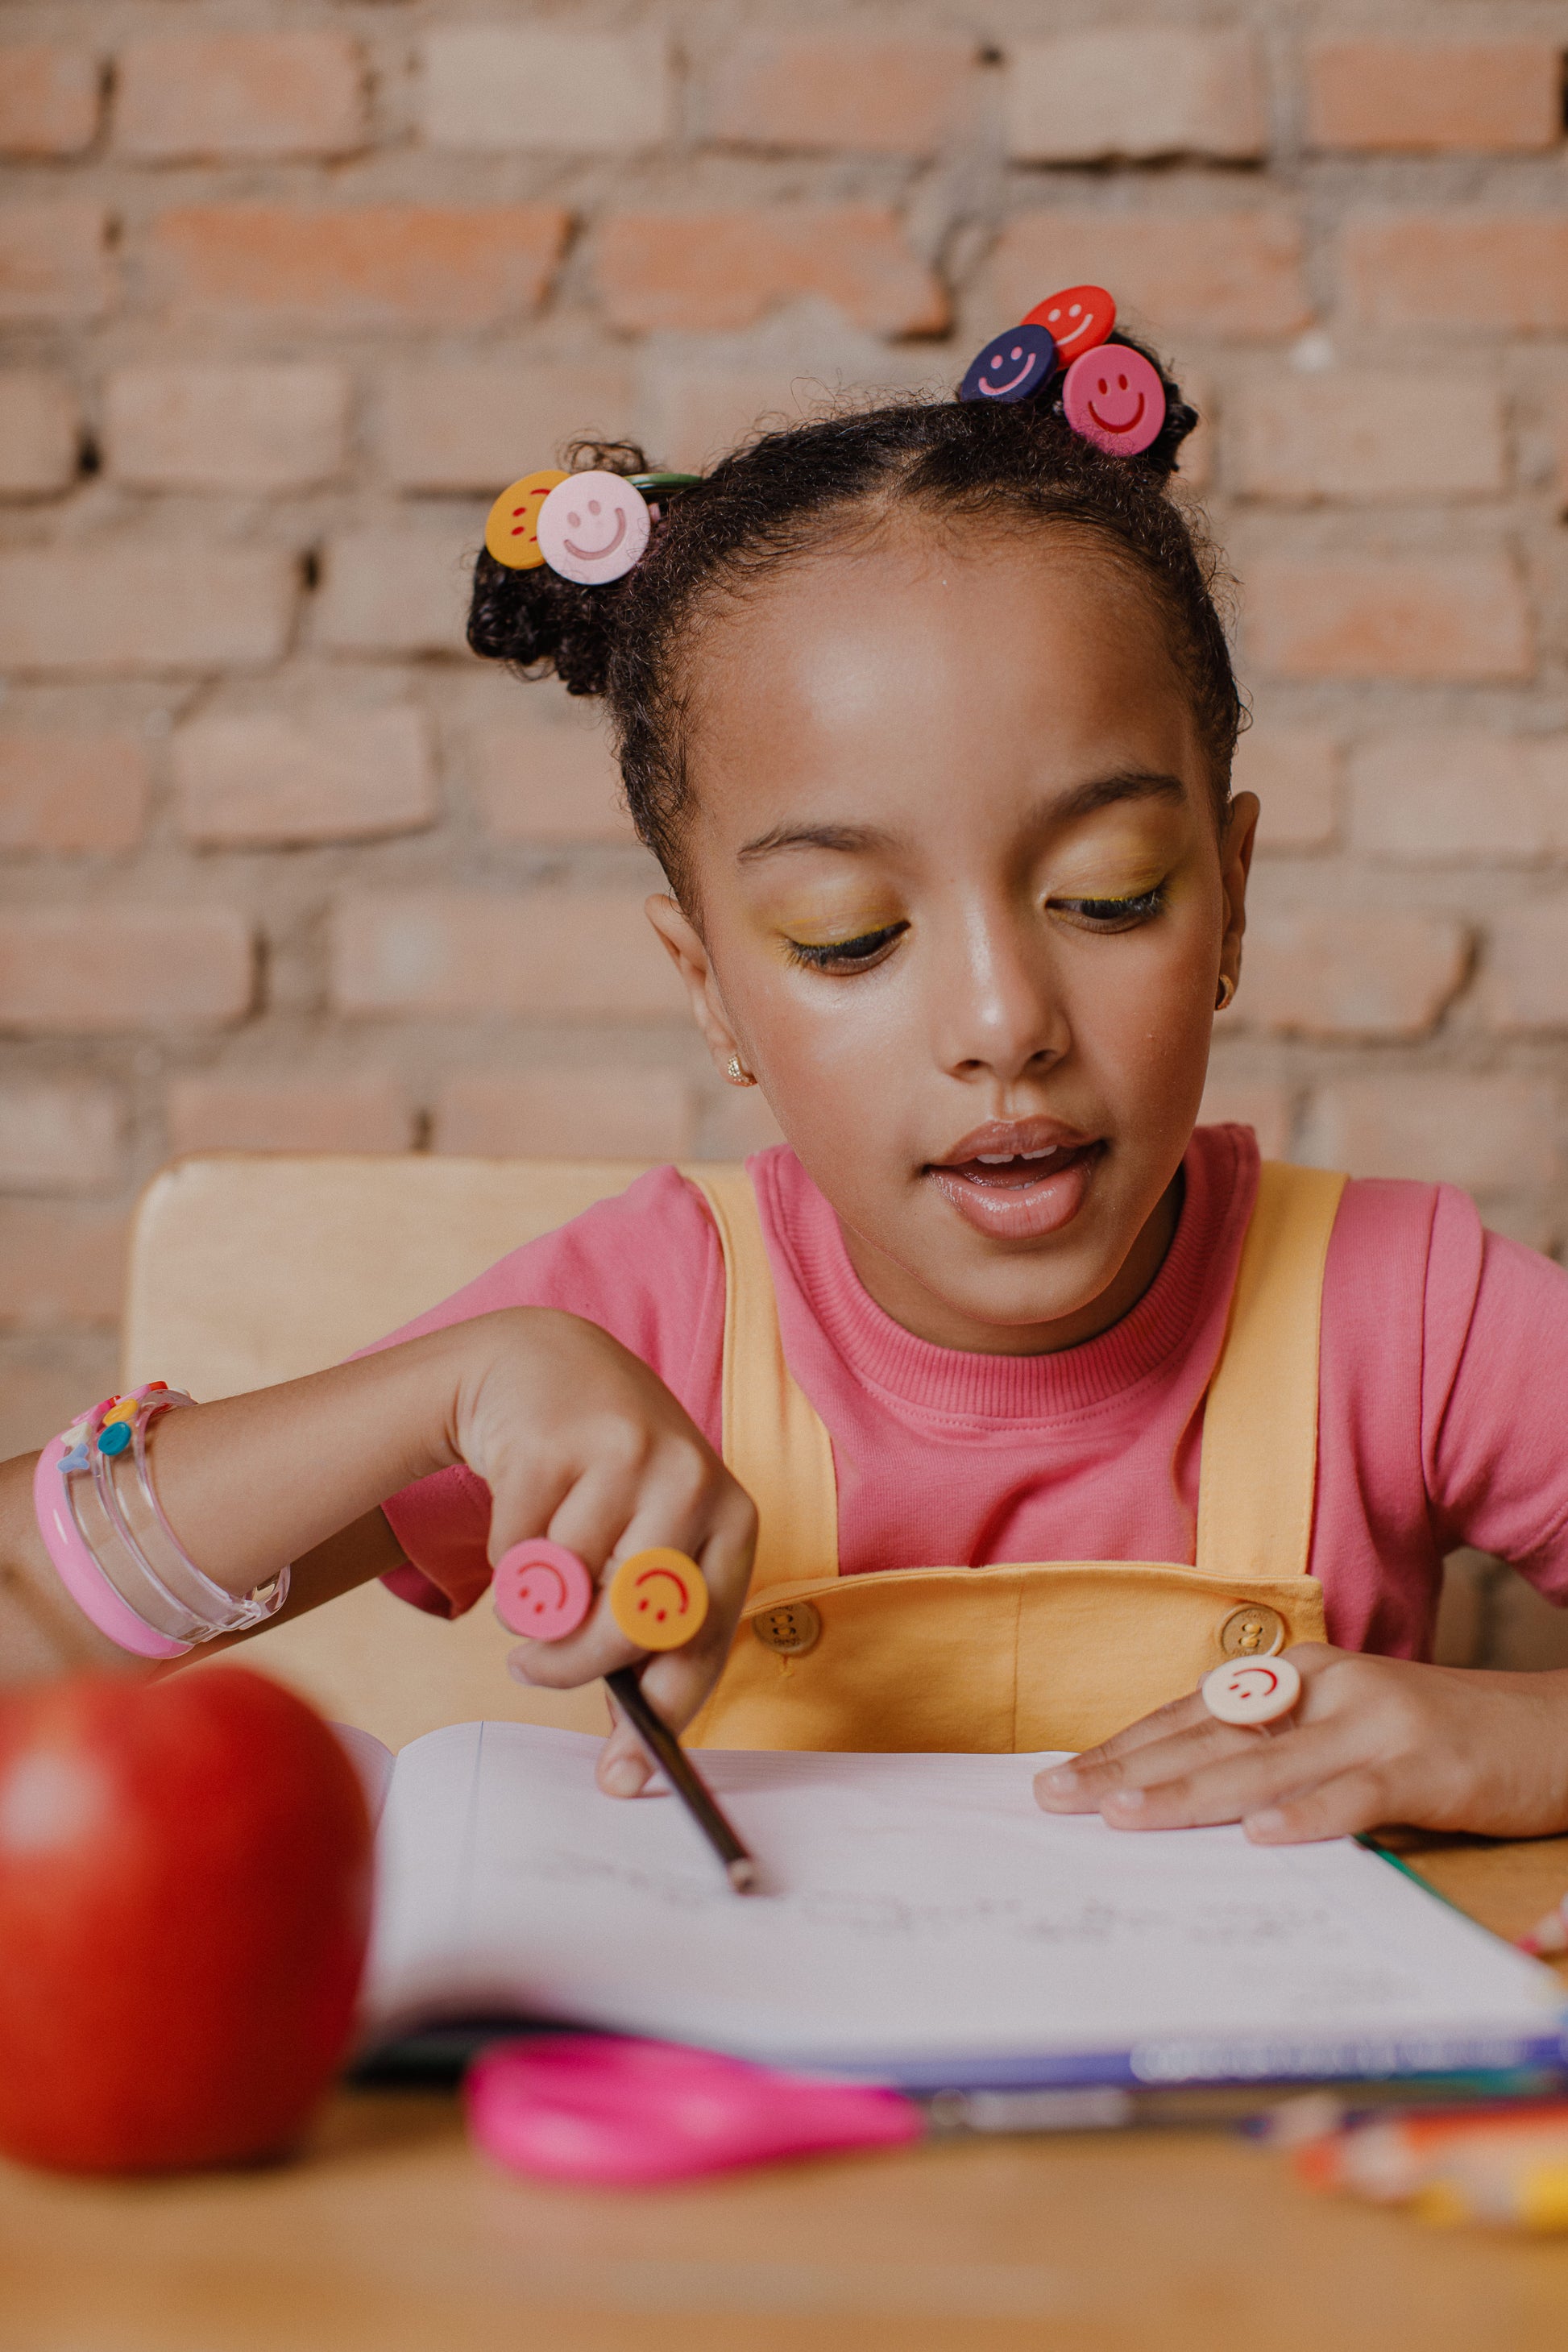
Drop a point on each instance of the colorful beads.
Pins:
(110, 1426)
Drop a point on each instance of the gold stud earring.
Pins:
(1226, 990)
(737, 1073)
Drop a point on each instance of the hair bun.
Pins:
(538, 623)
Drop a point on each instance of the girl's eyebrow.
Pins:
(1131, 784)
(1101, 792)
(850, 837)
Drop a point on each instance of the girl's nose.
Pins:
(996, 1009)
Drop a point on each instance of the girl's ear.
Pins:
(691, 960)
(1236, 865)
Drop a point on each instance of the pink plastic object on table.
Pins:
(542, 1590)
(600, 2107)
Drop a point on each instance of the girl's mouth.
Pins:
(1017, 1185)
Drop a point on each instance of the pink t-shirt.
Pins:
(1443, 1392)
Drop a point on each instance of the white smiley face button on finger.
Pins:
(1252, 1690)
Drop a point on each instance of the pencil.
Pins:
(678, 1770)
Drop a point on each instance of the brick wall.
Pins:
(292, 286)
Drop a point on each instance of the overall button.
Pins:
(1255, 1631)
(791, 1628)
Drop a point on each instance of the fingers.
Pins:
(578, 1441)
(1070, 1779)
(1182, 1768)
(681, 1504)
(1233, 1787)
(1339, 1807)
(1176, 1740)
(625, 1768)
(1083, 1786)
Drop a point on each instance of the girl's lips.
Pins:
(1019, 1199)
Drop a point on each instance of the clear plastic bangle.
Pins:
(112, 1510)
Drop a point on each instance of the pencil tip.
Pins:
(741, 1875)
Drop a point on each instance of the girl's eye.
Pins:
(846, 955)
(1112, 914)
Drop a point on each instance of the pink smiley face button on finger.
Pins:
(1114, 398)
(593, 528)
(543, 1590)
(1252, 1690)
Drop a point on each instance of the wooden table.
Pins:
(387, 2236)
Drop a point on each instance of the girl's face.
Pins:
(964, 913)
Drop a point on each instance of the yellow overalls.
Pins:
(1057, 1653)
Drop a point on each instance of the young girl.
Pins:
(1033, 1403)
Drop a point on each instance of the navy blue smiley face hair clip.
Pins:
(1015, 367)
(1110, 393)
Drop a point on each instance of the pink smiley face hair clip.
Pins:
(589, 528)
(593, 528)
(1115, 399)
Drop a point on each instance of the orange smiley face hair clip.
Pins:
(511, 531)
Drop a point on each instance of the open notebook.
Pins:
(925, 1923)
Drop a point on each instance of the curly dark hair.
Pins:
(790, 494)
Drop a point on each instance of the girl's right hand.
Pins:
(579, 1441)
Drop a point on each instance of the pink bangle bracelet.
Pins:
(117, 1555)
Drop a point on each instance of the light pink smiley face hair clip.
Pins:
(593, 528)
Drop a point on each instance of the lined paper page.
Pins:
(922, 1918)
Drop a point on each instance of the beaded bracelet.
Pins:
(118, 1556)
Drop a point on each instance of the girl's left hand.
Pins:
(1371, 1741)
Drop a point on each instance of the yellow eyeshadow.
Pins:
(815, 933)
(1101, 885)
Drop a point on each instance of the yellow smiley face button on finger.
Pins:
(511, 533)
(658, 1599)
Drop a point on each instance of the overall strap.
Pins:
(1260, 1420)
(774, 1441)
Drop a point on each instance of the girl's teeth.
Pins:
(1005, 1159)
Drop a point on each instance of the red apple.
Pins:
(184, 1903)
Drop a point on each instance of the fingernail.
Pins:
(1128, 1800)
(1269, 1822)
(1061, 1781)
(517, 1667)
(625, 1776)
